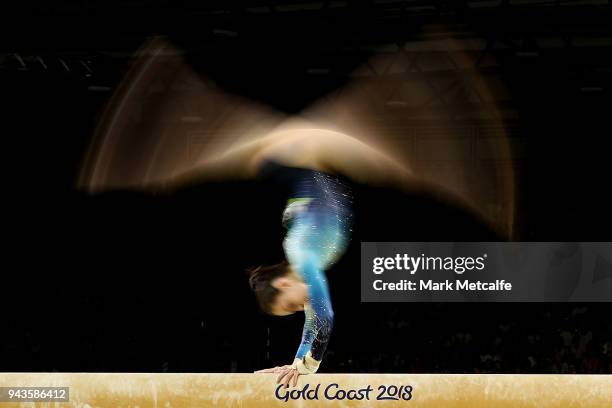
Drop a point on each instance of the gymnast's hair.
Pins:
(260, 280)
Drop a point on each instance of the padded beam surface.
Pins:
(260, 390)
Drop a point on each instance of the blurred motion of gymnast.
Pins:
(314, 156)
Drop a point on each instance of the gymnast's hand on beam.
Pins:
(288, 374)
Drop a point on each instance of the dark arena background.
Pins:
(135, 281)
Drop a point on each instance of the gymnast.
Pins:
(315, 164)
(318, 222)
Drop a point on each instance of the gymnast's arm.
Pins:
(319, 317)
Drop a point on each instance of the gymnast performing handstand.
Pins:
(314, 164)
(318, 222)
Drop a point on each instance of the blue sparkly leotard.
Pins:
(318, 219)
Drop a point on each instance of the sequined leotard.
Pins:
(318, 219)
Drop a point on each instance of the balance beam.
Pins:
(347, 390)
